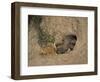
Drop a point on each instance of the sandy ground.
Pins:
(58, 27)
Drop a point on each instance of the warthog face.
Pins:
(67, 44)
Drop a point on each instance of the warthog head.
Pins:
(67, 44)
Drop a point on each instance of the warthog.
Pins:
(67, 44)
